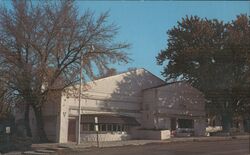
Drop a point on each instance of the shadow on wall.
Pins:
(136, 80)
(125, 92)
(181, 96)
(128, 95)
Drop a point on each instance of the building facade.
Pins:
(131, 105)
(174, 106)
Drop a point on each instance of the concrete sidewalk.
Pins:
(135, 142)
(212, 138)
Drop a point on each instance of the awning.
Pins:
(109, 119)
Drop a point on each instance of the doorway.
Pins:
(72, 130)
(173, 124)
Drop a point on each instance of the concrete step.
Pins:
(55, 149)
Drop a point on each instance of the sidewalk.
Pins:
(85, 145)
(212, 138)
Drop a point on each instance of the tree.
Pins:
(42, 45)
(7, 102)
(5, 106)
(214, 57)
(109, 72)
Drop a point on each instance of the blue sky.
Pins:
(144, 23)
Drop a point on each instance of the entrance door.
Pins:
(72, 130)
(173, 124)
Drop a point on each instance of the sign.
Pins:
(96, 129)
(96, 124)
(7, 130)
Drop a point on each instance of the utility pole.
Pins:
(79, 105)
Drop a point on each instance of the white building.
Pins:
(131, 105)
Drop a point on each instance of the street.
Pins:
(234, 147)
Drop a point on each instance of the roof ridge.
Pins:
(169, 83)
(126, 72)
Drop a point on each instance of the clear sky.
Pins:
(144, 24)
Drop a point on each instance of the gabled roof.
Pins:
(127, 72)
(133, 78)
(171, 83)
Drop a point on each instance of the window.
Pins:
(118, 127)
(103, 127)
(109, 127)
(185, 123)
(91, 127)
(85, 127)
(123, 127)
(114, 127)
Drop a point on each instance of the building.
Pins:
(174, 106)
(131, 105)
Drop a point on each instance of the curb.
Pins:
(211, 139)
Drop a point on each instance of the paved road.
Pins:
(235, 147)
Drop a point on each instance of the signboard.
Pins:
(96, 129)
(96, 124)
(7, 130)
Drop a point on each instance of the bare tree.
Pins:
(109, 72)
(5, 106)
(41, 46)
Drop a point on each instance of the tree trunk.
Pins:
(226, 122)
(27, 120)
(40, 124)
